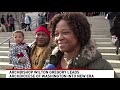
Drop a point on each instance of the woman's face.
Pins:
(65, 39)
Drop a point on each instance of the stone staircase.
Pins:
(100, 31)
(100, 34)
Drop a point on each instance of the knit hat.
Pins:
(43, 29)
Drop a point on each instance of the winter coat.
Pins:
(111, 15)
(43, 57)
(18, 51)
(2, 20)
(88, 58)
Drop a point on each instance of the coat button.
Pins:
(76, 58)
(75, 63)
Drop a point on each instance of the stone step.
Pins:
(114, 63)
(118, 74)
(11, 32)
(7, 44)
(117, 70)
(107, 49)
(96, 27)
(5, 65)
(4, 59)
(100, 28)
(100, 33)
(26, 37)
(111, 56)
(99, 22)
(4, 53)
(26, 40)
(99, 44)
(32, 37)
(103, 28)
(104, 44)
(2, 73)
(102, 39)
(3, 48)
(100, 36)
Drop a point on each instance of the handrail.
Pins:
(5, 41)
(11, 36)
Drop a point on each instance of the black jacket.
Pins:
(2, 20)
(111, 15)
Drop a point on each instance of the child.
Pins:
(18, 53)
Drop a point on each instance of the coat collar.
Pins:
(87, 55)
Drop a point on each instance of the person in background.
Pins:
(3, 24)
(39, 20)
(40, 48)
(115, 32)
(111, 16)
(19, 52)
(11, 23)
(27, 22)
(75, 49)
(7, 19)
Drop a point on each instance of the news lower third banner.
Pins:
(59, 73)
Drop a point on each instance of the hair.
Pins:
(78, 24)
(18, 31)
(2, 15)
(10, 15)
